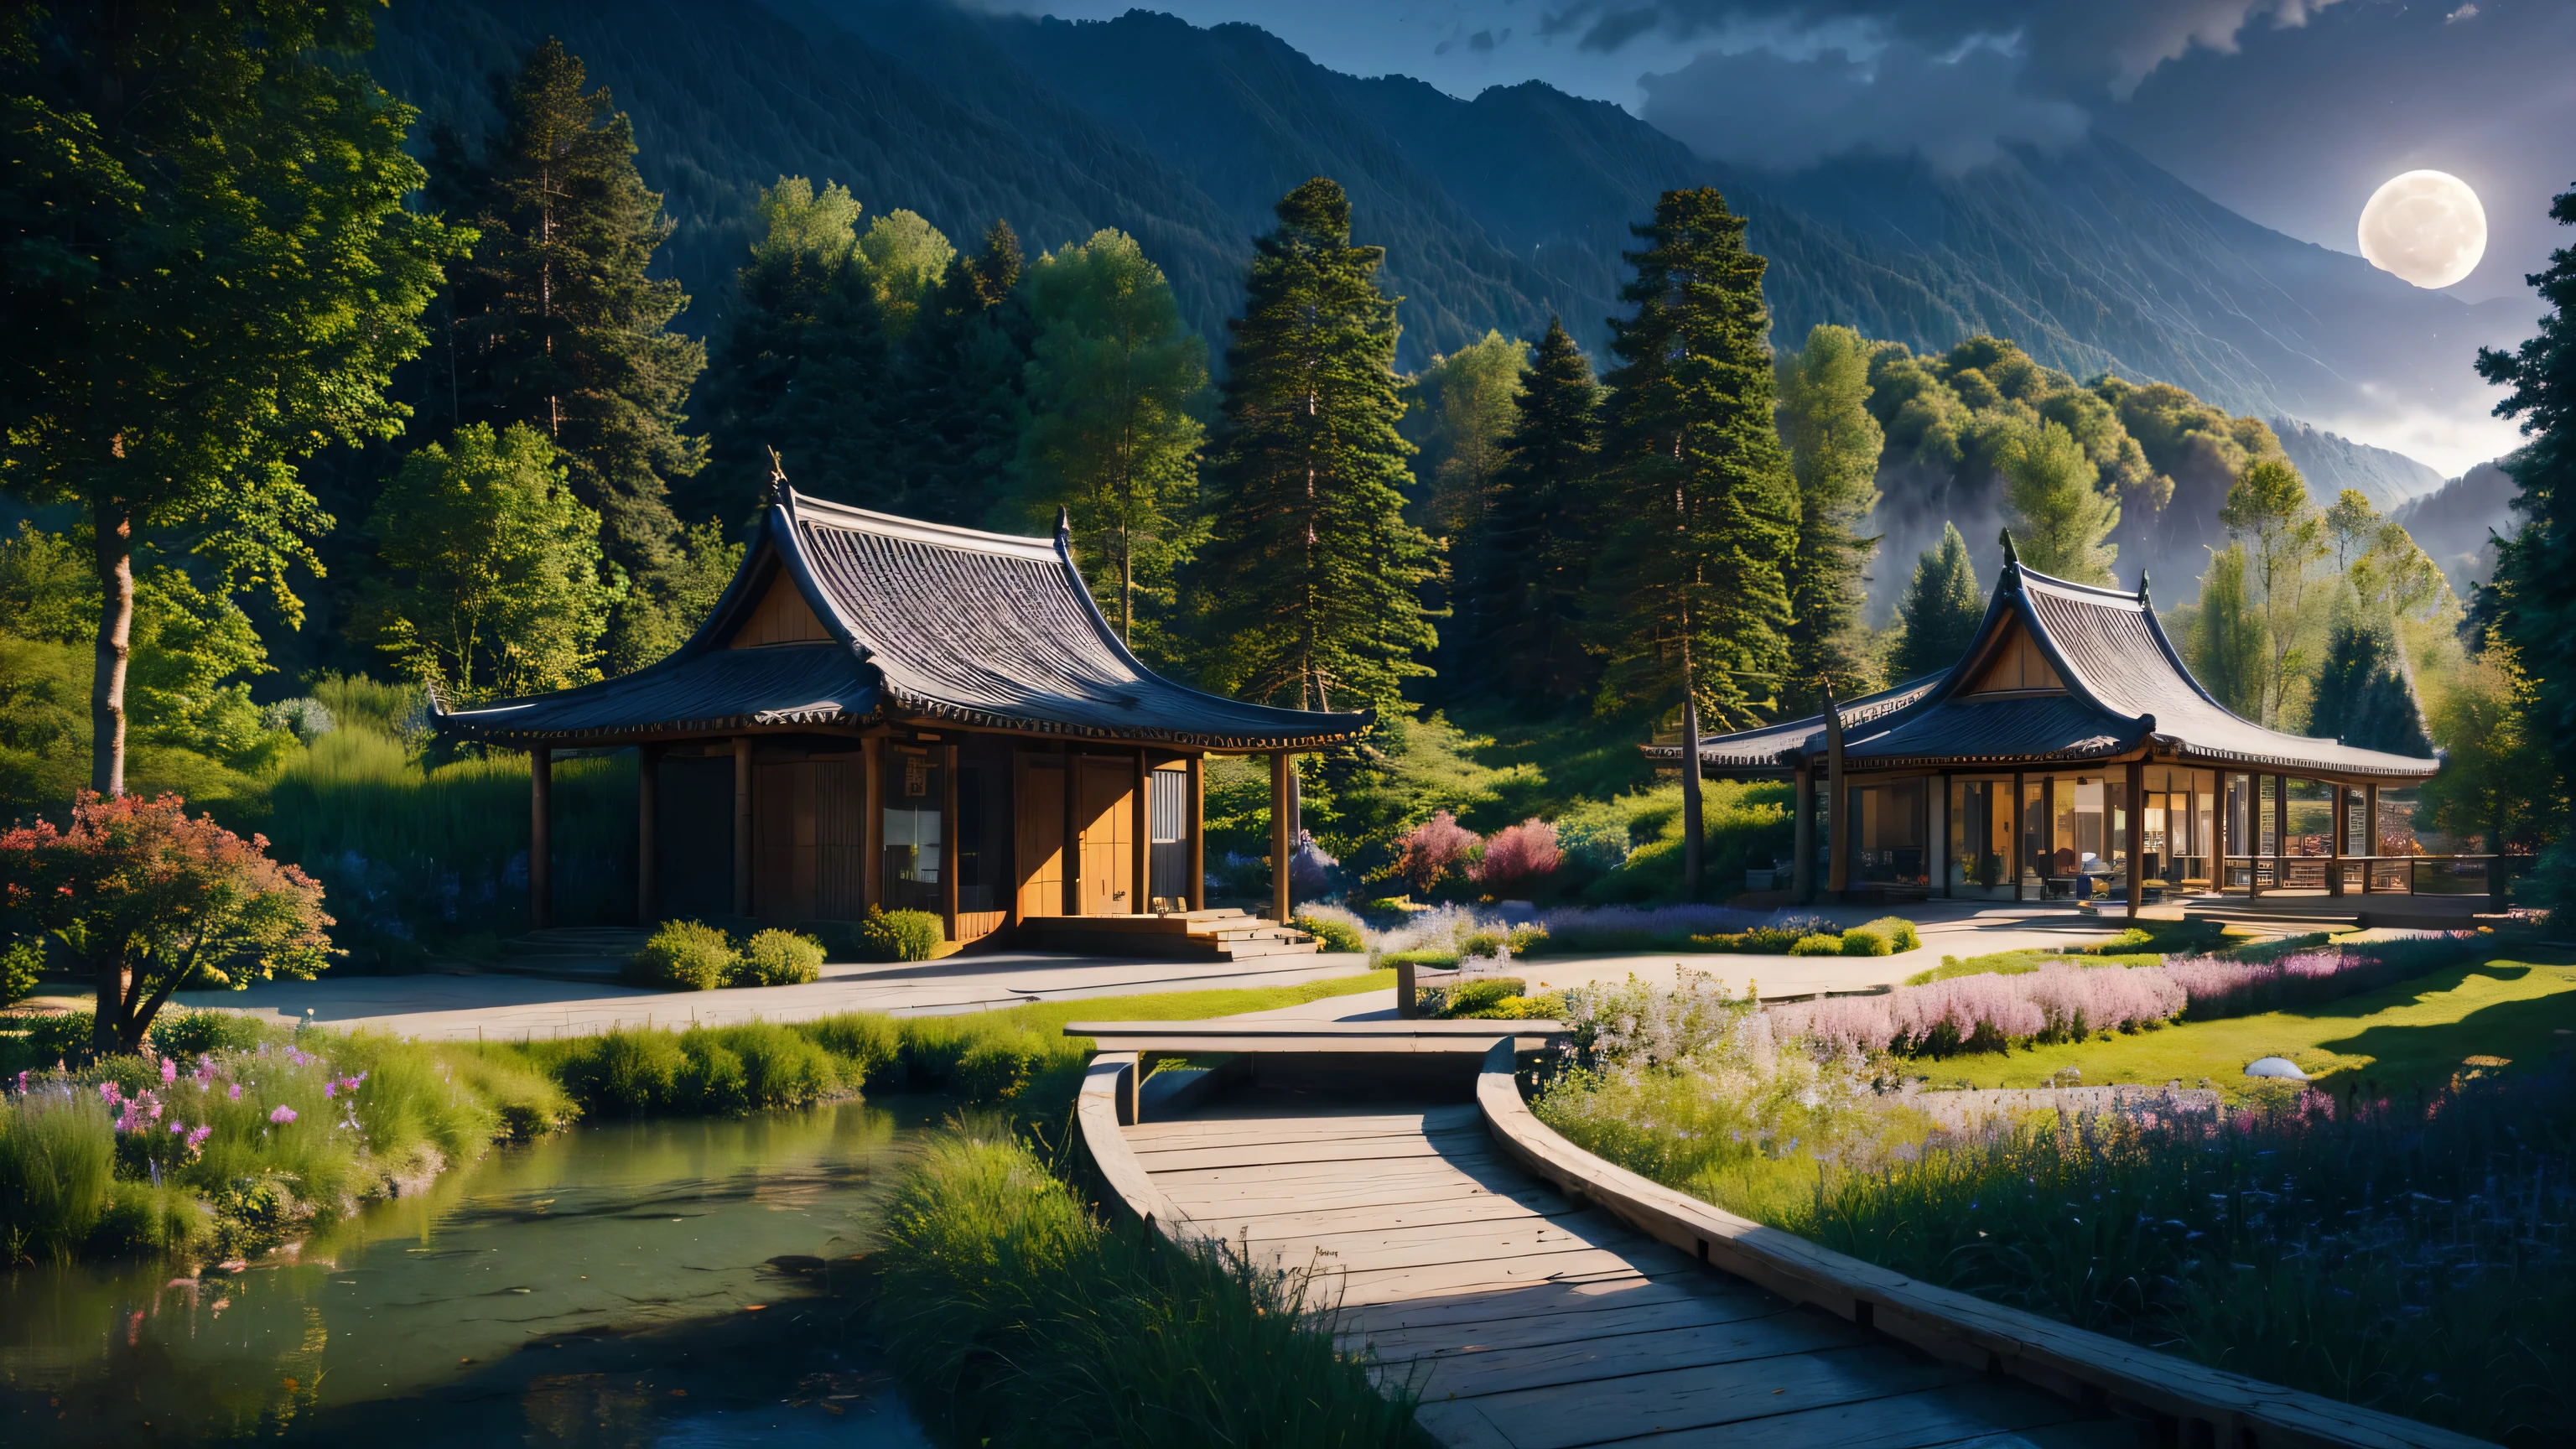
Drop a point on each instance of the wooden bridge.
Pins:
(1537, 1297)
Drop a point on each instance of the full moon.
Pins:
(2424, 226)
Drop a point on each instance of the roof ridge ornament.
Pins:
(2012, 558)
(777, 479)
(1063, 524)
(2142, 584)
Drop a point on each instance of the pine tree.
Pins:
(557, 324)
(807, 365)
(956, 429)
(1525, 573)
(1942, 608)
(2060, 519)
(2362, 697)
(1112, 437)
(1312, 575)
(2226, 647)
(1712, 510)
(1833, 447)
(2534, 603)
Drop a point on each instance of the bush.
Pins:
(1437, 960)
(994, 1069)
(1518, 859)
(1331, 934)
(189, 1033)
(1433, 851)
(1474, 998)
(57, 1156)
(1818, 945)
(900, 935)
(684, 956)
(633, 1070)
(1892, 934)
(60, 1037)
(22, 963)
(779, 958)
(140, 1220)
(780, 1067)
(868, 1043)
(1527, 940)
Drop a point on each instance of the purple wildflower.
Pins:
(282, 1116)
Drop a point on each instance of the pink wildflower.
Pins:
(282, 1116)
(169, 1071)
(235, 1094)
(330, 1089)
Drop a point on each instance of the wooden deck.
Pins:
(1526, 1321)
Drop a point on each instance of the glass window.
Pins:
(915, 794)
(1981, 847)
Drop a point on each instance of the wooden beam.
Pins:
(2138, 835)
(949, 853)
(872, 823)
(1802, 871)
(2280, 832)
(541, 838)
(1280, 845)
(2336, 819)
(2017, 858)
(1072, 831)
(648, 862)
(2369, 834)
(1198, 833)
(742, 825)
(1140, 892)
(2217, 832)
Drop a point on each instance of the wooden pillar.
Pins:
(1802, 871)
(2217, 834)
(872, 823)
(742, 825)
(948, 847)
(2017, 855)
(1837, 801)
(648, 862)
(541, 838)
(2137, 832)
(2335, 822)
(1197, 826)
(1072, 831)
(2281, 831)
(1280, 844)
(1140, 896)
(2369, 834)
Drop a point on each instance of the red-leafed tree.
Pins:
(1433, 850)
(147, 898)
(1518, 858)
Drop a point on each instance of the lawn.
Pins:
(2413, 1035)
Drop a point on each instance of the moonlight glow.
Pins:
(2425, 226)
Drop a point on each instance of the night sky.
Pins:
(2289, 111)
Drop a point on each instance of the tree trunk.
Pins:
(114, 526)
(107, 1023)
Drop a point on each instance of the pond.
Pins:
(630, 1284)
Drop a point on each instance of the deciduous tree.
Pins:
(2283, 538)
(2061, 521)
(2226, 643)
(1833, 447)
(211, 274)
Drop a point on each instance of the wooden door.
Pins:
(840, 839)
(1037, 825)
(782, 832)
(1108, 836)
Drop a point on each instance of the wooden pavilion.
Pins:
(882, 711)
(2068, 753)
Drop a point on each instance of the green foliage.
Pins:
(1469, 403)
(1708, 504)
(1482, 995)
(1332, 935)
(1745, 825)
(214, 276)
(57, 1156)
(779, 958)
(190, 1032)
(1817, 945)
(900, 935)
(557, 324)
(1833, 445)
(2064, 520)
(2363, 697)
(1942, 608)
(1113, 382)
(2225, 645)
(1014, 1316)
(140, 1220)
(492, 587)
(958, 409)
(2282, 534)
(2499, 782)
(1523, 579)
(869, 1044)
(22, 964)
(1886, 936)
(685, 956)
(906, 257)
(1312, 577)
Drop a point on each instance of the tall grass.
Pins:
(406, 848)
(57, 1156)
(1014, 1316)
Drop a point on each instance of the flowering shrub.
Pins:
(1432, 851)
(1518, 858)
(1310, 868)
(1639, 928)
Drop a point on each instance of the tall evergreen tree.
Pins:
(956, 428)
(2362, 696)
(1312, 575)
(807, 365)
(558, 326)
(1941, 611)
(1526, 572)
(2061, 520)
(1112, 435)
(1833, 447)
(1711, 507)
(211, 274)
(2225, 647)
(2534, 596)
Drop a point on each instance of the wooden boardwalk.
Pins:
(1525, 1321)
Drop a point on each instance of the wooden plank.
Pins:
(1469, 1134)
(1461, 1426)
(1531, 1241)
(1253, 1200)
(1277, 1154)
(1419, 1321)
(1203, 1127)
(1451, 1339)
(1602, 1411)
(1471, 1375)
(1389, 1285)
(1944, 1322)
(1450, 1209)
(1096, 1112)
(1971, 1414)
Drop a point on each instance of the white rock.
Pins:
(2281, 1067)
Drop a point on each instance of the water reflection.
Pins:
(662, 1283)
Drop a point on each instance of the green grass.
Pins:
(2411, 1036)
(2136, 946)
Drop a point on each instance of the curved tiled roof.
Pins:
(929, 623)
(2125, 686)
(1775, 746)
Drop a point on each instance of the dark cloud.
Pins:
(1763, 109)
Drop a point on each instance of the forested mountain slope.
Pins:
(1495, 211)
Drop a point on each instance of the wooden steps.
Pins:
(1223, 934)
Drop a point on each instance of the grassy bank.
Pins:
(2404, 1247)
(91, 1166)
(1016, 1317)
